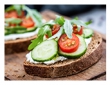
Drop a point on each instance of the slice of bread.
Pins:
(69, 66)
(18, 45)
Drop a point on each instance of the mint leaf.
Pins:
(68, 28)
(60, 20)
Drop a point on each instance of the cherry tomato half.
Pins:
(14, 14)
(11, 14)
(55, 29)
(68, 45)
(27, 22)
(75, 30)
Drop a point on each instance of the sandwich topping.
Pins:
(65, 39)
(21, 22)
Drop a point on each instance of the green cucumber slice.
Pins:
(31, 29)
(20, 31)
(80, 51)
(6, 32)
(45, 51)
(87, 32)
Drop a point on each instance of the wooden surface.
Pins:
(14, 64)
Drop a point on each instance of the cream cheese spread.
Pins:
(23, 35)
(60, 58)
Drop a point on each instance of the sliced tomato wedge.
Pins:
(75, 30)
(10, 24)
(14, 14)
(68, 45)
(55, 29)
(27, 22)
(11, 14)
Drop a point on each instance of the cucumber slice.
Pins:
(20, 31)
(6, 32)
(87, 32)
(45, 51)
(80, 51)
(31, 29)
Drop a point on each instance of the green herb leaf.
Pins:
(13, 20)
(35, 42)
(60, 20)
(76, 18)
(57, 35)
(68, 28)
(18, 8)
(89, 22)
(78, 22)
(10, 8)
(50, 23)
(37, 15)
(34, 15)
(48, 31)
(79, 27)
(42, 31)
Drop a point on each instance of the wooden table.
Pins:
(14, 64)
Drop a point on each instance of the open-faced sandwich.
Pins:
(63, 47)
(21, 25)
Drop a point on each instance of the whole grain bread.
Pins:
(18, 45)
(69, 66)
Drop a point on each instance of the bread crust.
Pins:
(69, 66)
(18, 45)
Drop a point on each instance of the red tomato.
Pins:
(55, 29)
(11, 14)
(27, 22)
(75, 30)
(68, 45)
(10, 24)
(22, 15)
(14, 14)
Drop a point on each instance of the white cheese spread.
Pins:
(88, 40)
(23, 35)
(60, 58)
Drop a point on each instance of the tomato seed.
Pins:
(63, 39)
(73, 42)
(65, 45)
(69, 44)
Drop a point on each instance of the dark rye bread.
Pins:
(69, 66)
(18, 45)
